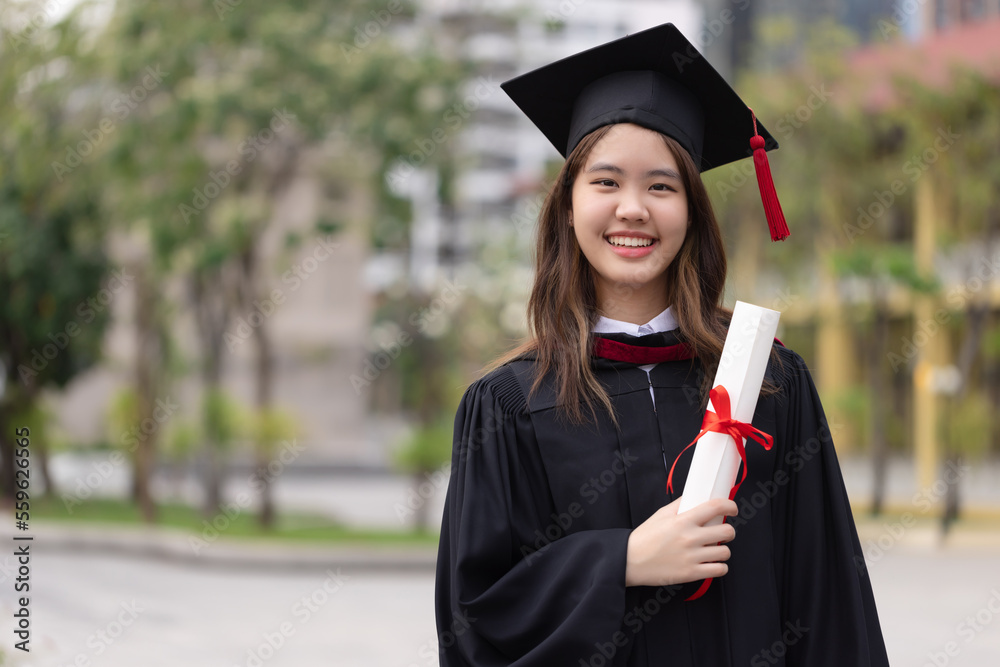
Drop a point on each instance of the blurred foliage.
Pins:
(426, 448)
(968, 425)
(122, 417)
(854, 403)
(169, 132)
(38, 418)
(430, 345)
(51, 322)
(271, 427)
(215, 107)
(415, 337)
(229, 421)
(181, 440)
(885, 263)
(54, 267)
(223, 419)
(991, 345)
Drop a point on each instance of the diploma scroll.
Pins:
(716, 459)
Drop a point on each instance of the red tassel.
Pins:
(772, 207)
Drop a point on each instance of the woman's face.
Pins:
(630, 213)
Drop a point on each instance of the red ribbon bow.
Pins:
(721, 421)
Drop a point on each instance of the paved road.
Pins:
(925, 597)
(154, 613)
(129, 612)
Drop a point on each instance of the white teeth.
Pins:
(630, 241)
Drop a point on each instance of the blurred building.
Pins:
(940, 15)
(502, 158)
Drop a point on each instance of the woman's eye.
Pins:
(606, 182)
(662, 187)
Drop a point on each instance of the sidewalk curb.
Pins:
(926, 535)
(169, 545)
(175, 546)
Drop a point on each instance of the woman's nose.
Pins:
(631, 206)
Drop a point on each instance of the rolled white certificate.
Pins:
(716, 460)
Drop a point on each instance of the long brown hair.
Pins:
(563, 307)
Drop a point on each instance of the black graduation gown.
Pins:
(531, 566)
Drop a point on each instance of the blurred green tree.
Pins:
(213, 112)
(270, 428)
(223, 420)
(181, 440)
(422, 454)
(54, 272)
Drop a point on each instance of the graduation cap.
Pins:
(657, 79)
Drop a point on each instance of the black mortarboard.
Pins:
(657, 79)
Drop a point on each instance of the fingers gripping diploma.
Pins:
(671, 548)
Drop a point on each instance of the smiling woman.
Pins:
(630, 217)
(561, 544)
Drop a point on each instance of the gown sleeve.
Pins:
(515, 585)
(826, 598)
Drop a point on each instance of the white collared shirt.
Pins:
(665, 321)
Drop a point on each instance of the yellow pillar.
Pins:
(931, 347)
(835, 357)
(834, 361)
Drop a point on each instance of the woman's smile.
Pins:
(631, 244)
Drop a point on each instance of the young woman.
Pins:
(560, 543)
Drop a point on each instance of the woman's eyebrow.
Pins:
(665, 172)
(604, 166)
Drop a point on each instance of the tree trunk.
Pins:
(148, 355)
(280, 179)
(7, 440)
(952, 498)
(267, 512)
(211, 306)
(976, 317)
(213, 467)
(19, 402)
(212, 480)
(993, 393)
(42, 459)
(264, 384)
(420, 514)
(976, 314)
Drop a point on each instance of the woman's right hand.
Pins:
(671, 548)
